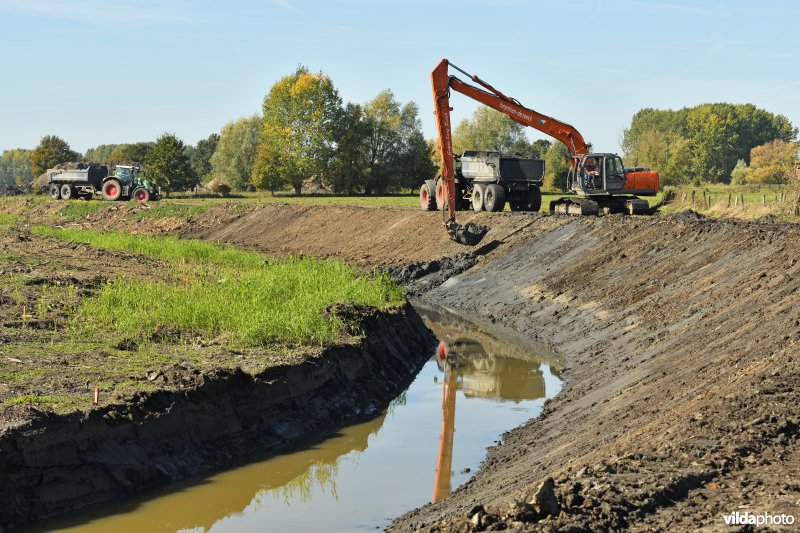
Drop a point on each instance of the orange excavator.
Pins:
(599, 180)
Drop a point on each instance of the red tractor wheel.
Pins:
(141, 195)
(112, 190)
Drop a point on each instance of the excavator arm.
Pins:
(442, 82)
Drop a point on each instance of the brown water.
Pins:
(427, 443)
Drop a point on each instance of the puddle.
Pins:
(430, 441)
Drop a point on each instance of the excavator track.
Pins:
(637, 206)
(568, 206)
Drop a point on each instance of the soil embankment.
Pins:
(53, 464)
(680, 338)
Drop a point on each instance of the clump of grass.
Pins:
(30, 399)
(165, 209)
(214, 290)
(168, 248)
(75, 209)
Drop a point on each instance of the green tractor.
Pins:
(128, 182)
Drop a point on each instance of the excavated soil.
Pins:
(679, 337)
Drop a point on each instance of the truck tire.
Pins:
(112, 190)
(495, 198)
(140, 194)
(534, 199)
(441, 204)
(55, 191)
(67, 192)
(478, 193)
(427, 195)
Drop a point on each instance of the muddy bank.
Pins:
(680, 338)
(54, 464)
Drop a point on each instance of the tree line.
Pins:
(307, 136)
(712, 143)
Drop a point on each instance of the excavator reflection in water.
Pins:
(480, 366)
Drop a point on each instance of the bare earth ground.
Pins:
(680, 339)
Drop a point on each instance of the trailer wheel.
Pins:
(534, 199)
(141, 194)
(441, 203)
(495, 198)
(427, 195)
(112, 190)
(478, 193)
(67, 192)
(55, 191)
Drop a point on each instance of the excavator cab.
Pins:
(596, 174)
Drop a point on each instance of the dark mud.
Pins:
(52, 464)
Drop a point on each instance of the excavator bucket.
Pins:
(469, 234)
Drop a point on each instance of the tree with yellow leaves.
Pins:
(298, 130)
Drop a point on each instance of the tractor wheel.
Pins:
(55, 191)
(427, 195)
(534, 199)
(495, 198)
(112, 190)
(141, 194)
(67, 192)
(441, 203)
(478, 193)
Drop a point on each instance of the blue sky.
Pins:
(96, 72)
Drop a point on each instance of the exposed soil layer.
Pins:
(51, 464)
(680, 338)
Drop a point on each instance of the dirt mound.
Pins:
(366, 236)
(687, 215)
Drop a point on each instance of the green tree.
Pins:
(739, 173)
(297, 140)
(100, 154)
(490, 130)
(557, 162)
(167, 165)
(52, 150)
(772, 162)
(539, 148)
(234, 156)
(349, 166)
(201, 156)
(15, 167)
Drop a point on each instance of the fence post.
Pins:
(729, 200)
(763, 199)
(741, 199)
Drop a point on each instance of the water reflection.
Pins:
(364, 474)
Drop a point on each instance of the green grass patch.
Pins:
(167, 209)
(75, 209)
(30, 399)
(212, 290)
